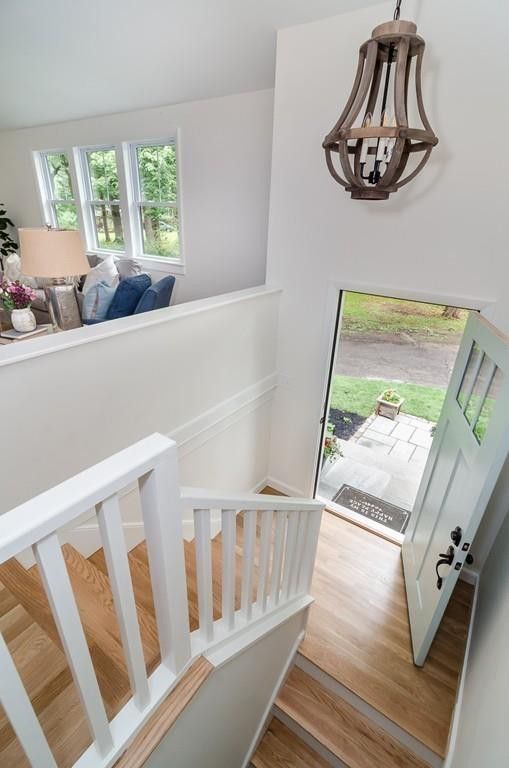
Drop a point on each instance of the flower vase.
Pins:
(23, 320)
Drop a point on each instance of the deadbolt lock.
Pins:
(456, 536)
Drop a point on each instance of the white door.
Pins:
(469, 449)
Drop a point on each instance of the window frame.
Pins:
(136, 203)
(130, 199)
(87, 202)
(48, 202)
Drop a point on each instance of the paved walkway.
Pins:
(385, 458)
(407, 437)
(395, 357)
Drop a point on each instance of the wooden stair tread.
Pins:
(92, 590)
(281, 748)
(349, 735)
(165, 716)
(47, 679)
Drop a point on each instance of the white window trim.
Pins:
(47, 200)
(80, 181)
(87, 201)
(162, 263)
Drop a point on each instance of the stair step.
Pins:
(352, 737)
(92, 590)
(281, 748)
(47, 679)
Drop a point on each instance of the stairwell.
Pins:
(322, 716)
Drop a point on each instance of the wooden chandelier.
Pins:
(375, 154)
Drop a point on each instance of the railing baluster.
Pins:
(228, 538)
(264, 560)
(291, 543)
(309, 556)
(58, 589)
(16, 703)
(299, 551)
(115, 552)
(249, 537)
(277, 560)
(204, 572)
(162, 516)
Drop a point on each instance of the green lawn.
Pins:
(359, 396)
(363, 313)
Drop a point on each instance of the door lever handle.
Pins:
(445, 558)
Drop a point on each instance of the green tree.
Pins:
(158, 181)
(102, 165)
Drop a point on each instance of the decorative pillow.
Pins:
(127, 268)
(157, 296)
(96, 303)
(105, 272)
(129, 292)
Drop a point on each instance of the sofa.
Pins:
(112, 289)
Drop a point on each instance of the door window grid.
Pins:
(478, 391)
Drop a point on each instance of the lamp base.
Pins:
(63, 306)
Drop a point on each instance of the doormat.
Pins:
(373, 508)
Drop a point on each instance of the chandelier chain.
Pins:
(397, 10)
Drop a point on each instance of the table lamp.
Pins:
(57, 254)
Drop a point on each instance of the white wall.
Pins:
(225, 152)
(217, 728)
(443, 235)
(203, 372)
(482, 738)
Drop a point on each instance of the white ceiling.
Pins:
(66, 59)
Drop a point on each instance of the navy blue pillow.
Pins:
(157, 296)
(129, 292)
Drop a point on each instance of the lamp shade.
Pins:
(52, 253)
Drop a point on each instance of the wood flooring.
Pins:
(358, 632)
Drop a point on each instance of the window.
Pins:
(125, 197)
(155, 199)
(58, 197)
(102, 199)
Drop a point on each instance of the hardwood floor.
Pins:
(350, 736)
(358, 633)
(281, 748)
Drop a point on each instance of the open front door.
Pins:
(470, 447)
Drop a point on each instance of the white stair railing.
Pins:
(277, 553)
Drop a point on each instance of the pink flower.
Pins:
(16, 295)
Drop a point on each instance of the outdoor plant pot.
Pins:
(387, 409)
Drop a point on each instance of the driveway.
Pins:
(396, 357)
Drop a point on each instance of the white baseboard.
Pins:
(456, 715)
(288, 490)
(267, 715)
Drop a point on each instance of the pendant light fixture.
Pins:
(377, 149)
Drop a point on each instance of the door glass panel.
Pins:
(486, 411)
(471, 370)
(481, 384)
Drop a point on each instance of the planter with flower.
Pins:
(389, 403)
(331, 446)
(16, 299)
